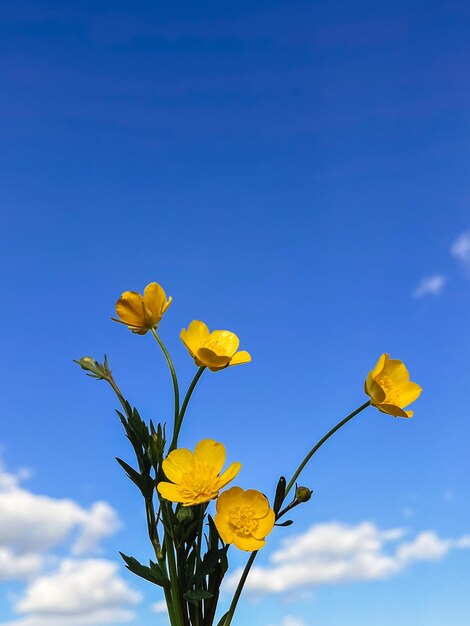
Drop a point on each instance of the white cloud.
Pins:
(78, 592)
(78, 586)
(290, 621)
(88, 591)
(430, 286)
(460, 249)
(113, 616)
(32, 524)
(19, 566)
(159, 607)
(335, 553)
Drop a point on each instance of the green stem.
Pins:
(184, 406)
(173, 374)
(246, 571)
(241, 583)
(153, 535)
(173, 575)
(321, 442)
(118, 393)
(152, 526)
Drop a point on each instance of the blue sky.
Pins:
(296, 172)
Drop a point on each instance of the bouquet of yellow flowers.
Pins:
(191, 544)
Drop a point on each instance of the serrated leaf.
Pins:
(196, 595)
(153, 574)
(210, 562)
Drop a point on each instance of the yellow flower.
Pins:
(141, 313)
(196, 477)
(215, 350)
(244, 518)
(390, 388)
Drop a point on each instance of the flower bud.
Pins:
(303, 494)
(185, 514)
(97, 370)
(87, 363)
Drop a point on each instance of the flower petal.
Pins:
(379, 366)
(240, 357)
(129, 309)
(210, 359)
(171, 492)
(222, 343)
(229, 499)
(257, 501)
(373, 389)
(248, 544)
(265, 525)
(212, 453)
(229, 474)
(391, 409)
(396, 370)
(177, 463)
(224, 528)
(411, 391)
(194, 337)
(155, 300)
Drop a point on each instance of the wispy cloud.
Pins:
(430, 286)
(460, 249)
(159, 607)
(334, 553)
(290, 621)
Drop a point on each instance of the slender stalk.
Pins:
(173, 374)
(117, 391)
(241, 583)
(153, 535)
(321, 442)
(246, 571)
(173, 575)
(184, 406)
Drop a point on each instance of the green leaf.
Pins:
(144, 482)
(154, 574)
(196, 595)
(280, 495)
(158, 571)
(210, 561)
(213, 534)
(135, 476)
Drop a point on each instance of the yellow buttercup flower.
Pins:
(196, 477)
(390, 388)
(244, 518)
(141, 313)
(215, 350)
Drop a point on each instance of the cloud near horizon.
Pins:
(335, 553)
(59, 591)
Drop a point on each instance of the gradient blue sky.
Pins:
(291, 171)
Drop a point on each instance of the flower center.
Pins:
(242, 518)
(391, 395)
(200, 482)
